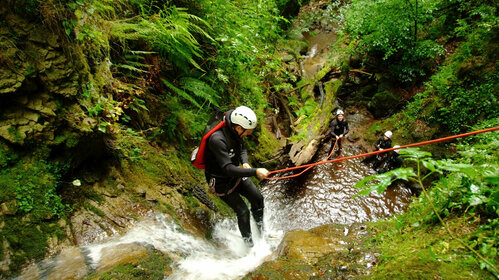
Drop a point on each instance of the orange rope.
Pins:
(310, 165)
(298, 174)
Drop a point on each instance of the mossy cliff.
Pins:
(71, 170)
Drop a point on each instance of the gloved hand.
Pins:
(261, 173)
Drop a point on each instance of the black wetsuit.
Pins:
(338, 128)
(383, 144)
(392, 161)
(224, 153)
(380, 144)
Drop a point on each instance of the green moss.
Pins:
(2, 253)
(95, 210)
(155, 266)
(28, 240)
(7, 156)
(266, 148)
(282, 269)
(191, 201)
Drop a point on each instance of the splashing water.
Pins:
(227, 257)
(232, 259)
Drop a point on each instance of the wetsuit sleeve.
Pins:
(235, 171)
(346, 129)
(378, 143)
(333, 125)
(244, 155)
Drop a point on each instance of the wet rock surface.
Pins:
(326, 252)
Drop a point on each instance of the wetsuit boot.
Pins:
(248, 241)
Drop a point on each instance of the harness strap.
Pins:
(212, 188)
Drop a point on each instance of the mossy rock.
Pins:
(367, 91)
(383, 104)
(151, 265)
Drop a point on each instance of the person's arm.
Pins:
(235, 171)
(346, 129)
(378, 144)
(333, 125)
(244, 155)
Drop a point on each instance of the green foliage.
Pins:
(464, 90)
(383, 181)
(308, 108)
(197, 88)
(386, 27)
(390, 31)
(466, 186)
(170, 32)
(313, 18)
(244, 34)
(33, 185)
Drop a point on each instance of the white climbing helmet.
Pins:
(395, 147)
(340, 112)
(243, 116)
(388, 134)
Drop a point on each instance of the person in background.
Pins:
(224, 155)
(339, 129)
(392, 161)
(385, 142)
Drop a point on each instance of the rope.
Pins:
(298, 174)
(310, 165)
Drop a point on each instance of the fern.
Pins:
(130, 68)
(200, 89)
(170, 32)
(182, 93)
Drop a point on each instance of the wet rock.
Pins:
(9, 207)
(87, 227)
(5, 260)
(32, 272)
(353, 136)
(121, 254)
(39, 35)
(287, 58)
(151, 198)
(327, 252)
(69, 264)
(304, 246)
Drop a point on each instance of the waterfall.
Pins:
(224, 257)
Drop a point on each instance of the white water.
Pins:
(225, 257)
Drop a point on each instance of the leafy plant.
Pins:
(465, 186)
(170, 32)
(392, 31)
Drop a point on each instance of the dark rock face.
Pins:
(383, 104)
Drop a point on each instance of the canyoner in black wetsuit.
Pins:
(225, 152)
(385, 142)
(392, 161)
(339, 129)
